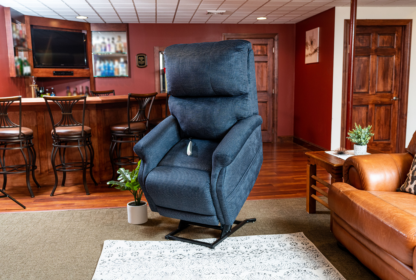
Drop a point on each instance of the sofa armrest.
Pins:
(234, 141)
(154, 146)
(377, 172)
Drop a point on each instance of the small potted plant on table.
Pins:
(127, 181)
(360, 137)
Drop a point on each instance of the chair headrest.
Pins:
(208, 69)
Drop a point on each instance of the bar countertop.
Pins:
(90, 99)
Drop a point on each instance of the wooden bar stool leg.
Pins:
(27, 164)
(310, 201)
(53, 156)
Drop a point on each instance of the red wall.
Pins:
(143, 38)
(8, 86)
(313, 88)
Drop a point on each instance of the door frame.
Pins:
(275, 37)
(406, 24)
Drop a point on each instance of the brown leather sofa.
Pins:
(372, 220)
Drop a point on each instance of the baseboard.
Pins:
(307, 144)
(281, 139)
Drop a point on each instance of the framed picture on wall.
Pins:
(312, 46)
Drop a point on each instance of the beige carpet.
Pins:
(67, 244)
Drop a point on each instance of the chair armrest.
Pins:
(378, 172)
(234, 141)
(154, 146)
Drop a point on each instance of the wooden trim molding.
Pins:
(109, 27)
(405, 76)
(275, 37)
(306, 144)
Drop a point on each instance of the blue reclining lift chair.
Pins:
(213, 101)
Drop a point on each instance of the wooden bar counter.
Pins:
(101, 113)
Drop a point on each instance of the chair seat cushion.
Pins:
(136, 126)
(388, 219)
(200, 159)
(181, 189)
(71, 130)
(14, 132)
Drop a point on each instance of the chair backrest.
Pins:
(66, 104)
(5, 121)
(103, 92)
(142, 101)
(211, 86)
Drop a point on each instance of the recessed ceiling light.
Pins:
(216, 12)
(81, 17)
(261, 18)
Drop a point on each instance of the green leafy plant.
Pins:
(360, 136)
(127, 181)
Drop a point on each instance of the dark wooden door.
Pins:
(377, 75)
(264, 63)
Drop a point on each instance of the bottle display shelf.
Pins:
(110, 54)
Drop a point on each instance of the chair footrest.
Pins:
(226, 231)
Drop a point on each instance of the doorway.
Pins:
(380, 82)
(265, 61)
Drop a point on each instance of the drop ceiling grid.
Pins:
(187, 11)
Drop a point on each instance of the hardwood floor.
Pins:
(283, 175)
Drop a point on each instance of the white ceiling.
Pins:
(187, 11)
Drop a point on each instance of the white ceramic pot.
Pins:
(360, 150)
(137, 214)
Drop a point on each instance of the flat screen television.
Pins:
(58, 49)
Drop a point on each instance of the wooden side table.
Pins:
(333, 165)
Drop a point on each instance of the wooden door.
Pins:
(377, 76)
(263, 49)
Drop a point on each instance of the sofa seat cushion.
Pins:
(201, 158)
(181, 189)
(388, 219)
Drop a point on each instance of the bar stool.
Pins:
(103, 92)
(15, 137)
(130, 132)
(153, 123)
(69, 133)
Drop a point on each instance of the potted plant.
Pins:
(360, 137)
(127, 181)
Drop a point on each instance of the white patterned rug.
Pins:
(281, 256)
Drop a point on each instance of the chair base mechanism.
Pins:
(226, 231)
(6, 195)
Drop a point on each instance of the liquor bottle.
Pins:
(105, 69)
(98, 68)
(20, 64)
(17, 65)
(119, 46)
(113, 45)
(111, 68)
(81, 92)
(38, 93)
(52, 92)
(75, 93)
(26, 66)
(108, 45)
(97, 45)
(122, 67)
(68, 91)
(103, 45)
(87, 91)
(47, 92)
(42, 92)
(116, 68)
